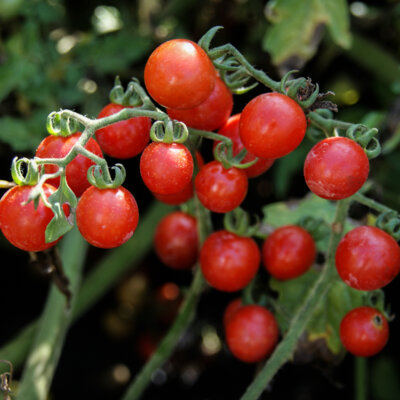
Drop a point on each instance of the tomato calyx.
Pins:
(103, 180)
(238, 222)
(61, 124)
(366, 138)
(128, 97)
(30, 177)
(389, 222)
(169, 131)
(223, 152)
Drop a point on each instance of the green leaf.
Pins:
(296, 25)
(60, 224)
(325, 321)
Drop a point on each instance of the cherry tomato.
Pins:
(252, 333)
(107, 218)
(272, 125)
(218, 189)
(176, 240)
(228, 261)
(166, 167)
(336, 168)
(124, 139)
(21, 224)
(231, 130)
(230, 310)
(179, 74)
(364, 331)
(367, 258)
(211, 113)
(288, 252)
(76, 170)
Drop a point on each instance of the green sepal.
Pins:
(206, 39)
(60, 124)
(30, 177)
(60, 224)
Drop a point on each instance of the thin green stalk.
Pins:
(360, 378)
(298, 324)
(183, 320)
(374, 205)
(103, 276)
(54, 323)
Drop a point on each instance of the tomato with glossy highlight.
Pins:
(228, 261)
(76, 171)
(364, 331)
(336, 168)
(252, 333)
(107, 218)
(179, 74)
(21, 224)
(124, 139)
(272, 125)
(367, 258)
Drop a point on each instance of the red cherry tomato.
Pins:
(220, 190)
(21, 224)
(166, 167)
(252, 333)
(288, 252)
(124, 139)
(176, 240)
(272, 125)
(231, 130)
(367, 258)
(211, 113)
(76, 171)
(179, 74)
(228, 261)
(336, 168)
(364, 331)
(231, 309)
(107, 218)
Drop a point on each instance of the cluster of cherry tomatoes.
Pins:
(180, 76)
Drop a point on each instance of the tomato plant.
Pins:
(288, 252)
(166, 168)
(22, 224)
(179, 74)
(251, 333)
(336, 168)
(219, 189)
(176, 240)
(107, 218)
(228, 261)
(124, 139)
(367, 258)
(364, 331)
(272, 125)
(76, 171)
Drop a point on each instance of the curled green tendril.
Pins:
(169, 131)
(59, 124)
(366, 138)
(97, 177)
(389, 222)
(30, 177)
(128, 97)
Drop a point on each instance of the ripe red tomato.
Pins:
(231, 130)
(179, 74)
(107, 218)
(211, 113)
(231, 309)
(272, 125)
(364, 331)
(21, 224)
(336, 168)
(367, 258)
(288, 252)
(176, 240)
(252, 333)
(218, 189)
(76, 171)
(228, 261)
(166, 167)
(124, 139)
